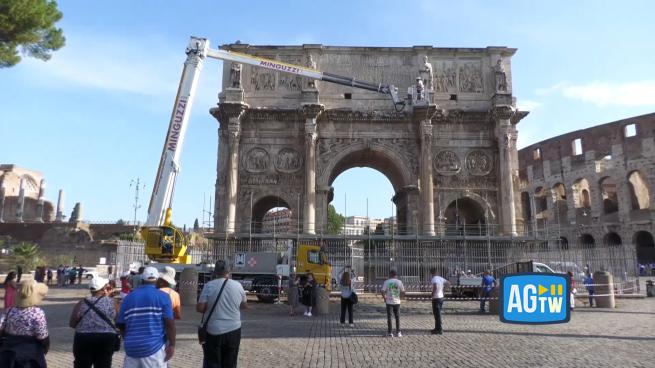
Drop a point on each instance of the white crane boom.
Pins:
(197, 50)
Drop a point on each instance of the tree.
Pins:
(26, 255)
(30, 26)
(196, 226)
(335, 221)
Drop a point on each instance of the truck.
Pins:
(470, 285)
(166, 243)
(265, 273)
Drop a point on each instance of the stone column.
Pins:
(21, 201)
(41, 201)
(506, 143)
(427, 195)
(60, 206)
(229, 115)
(424, 115)
(311, 113)
(2, 202)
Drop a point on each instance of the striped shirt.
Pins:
(143, 312)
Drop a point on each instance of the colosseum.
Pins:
(593, 186)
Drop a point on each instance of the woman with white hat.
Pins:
(25, 328)
(166, 283)
(96, 337)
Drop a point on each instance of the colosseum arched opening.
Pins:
(645, 244)
(608, 190)
(639, 193)
(587, 241)
(561, 208)
(612, 239)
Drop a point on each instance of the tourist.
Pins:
(10, 290)
(80, 272)
(25, 328)
(49, 276)
(292, 294)
(165, 283)
(220, 303)
(589, 284)
(392, 290)
(573, 290)
(92, 318)
(19, 273)
(60, 275)
(136, 278)
(125, 285)
(307, 284)
(72, 275)
(149, 338)
(438, 283)
(487, 285)
(346, 286)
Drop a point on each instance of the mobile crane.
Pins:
(163, 241)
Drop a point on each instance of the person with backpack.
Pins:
(96, 337)
(346, 298)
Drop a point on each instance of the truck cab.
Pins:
(312, 258)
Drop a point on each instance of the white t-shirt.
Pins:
(227, 315)
(392, 289)
(438, 281)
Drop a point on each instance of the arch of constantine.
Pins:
(452, 162)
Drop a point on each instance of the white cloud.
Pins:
(118, 65)
(640, 93)
(528, 105)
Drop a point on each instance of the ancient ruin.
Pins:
(453, 162)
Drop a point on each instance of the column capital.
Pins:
(502, 112)
(312, 110)
(227, 112)
(426, 130)
(426, 112)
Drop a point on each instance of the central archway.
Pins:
(390, 164)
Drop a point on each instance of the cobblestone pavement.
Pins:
(622, 337)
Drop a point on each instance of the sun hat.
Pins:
(150, 273)
(30, 293)
(168, 275)
(97, 283)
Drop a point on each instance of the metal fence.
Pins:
(371, 257)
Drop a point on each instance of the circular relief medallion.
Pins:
(288, 160)
(256, 160)
(478, 163)
(447, 162)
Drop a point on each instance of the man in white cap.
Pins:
(166, 283)
(146, 322)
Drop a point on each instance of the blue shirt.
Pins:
(143, 312)
(488, 282)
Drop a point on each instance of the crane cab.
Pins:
(165, 244)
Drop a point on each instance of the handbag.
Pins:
(118, 338)
(202, 329)
(353, 296)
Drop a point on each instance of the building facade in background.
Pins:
(593, 186)
(22, 196)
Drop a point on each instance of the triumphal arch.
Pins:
(452, 161)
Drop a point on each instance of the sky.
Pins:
(94, 117)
